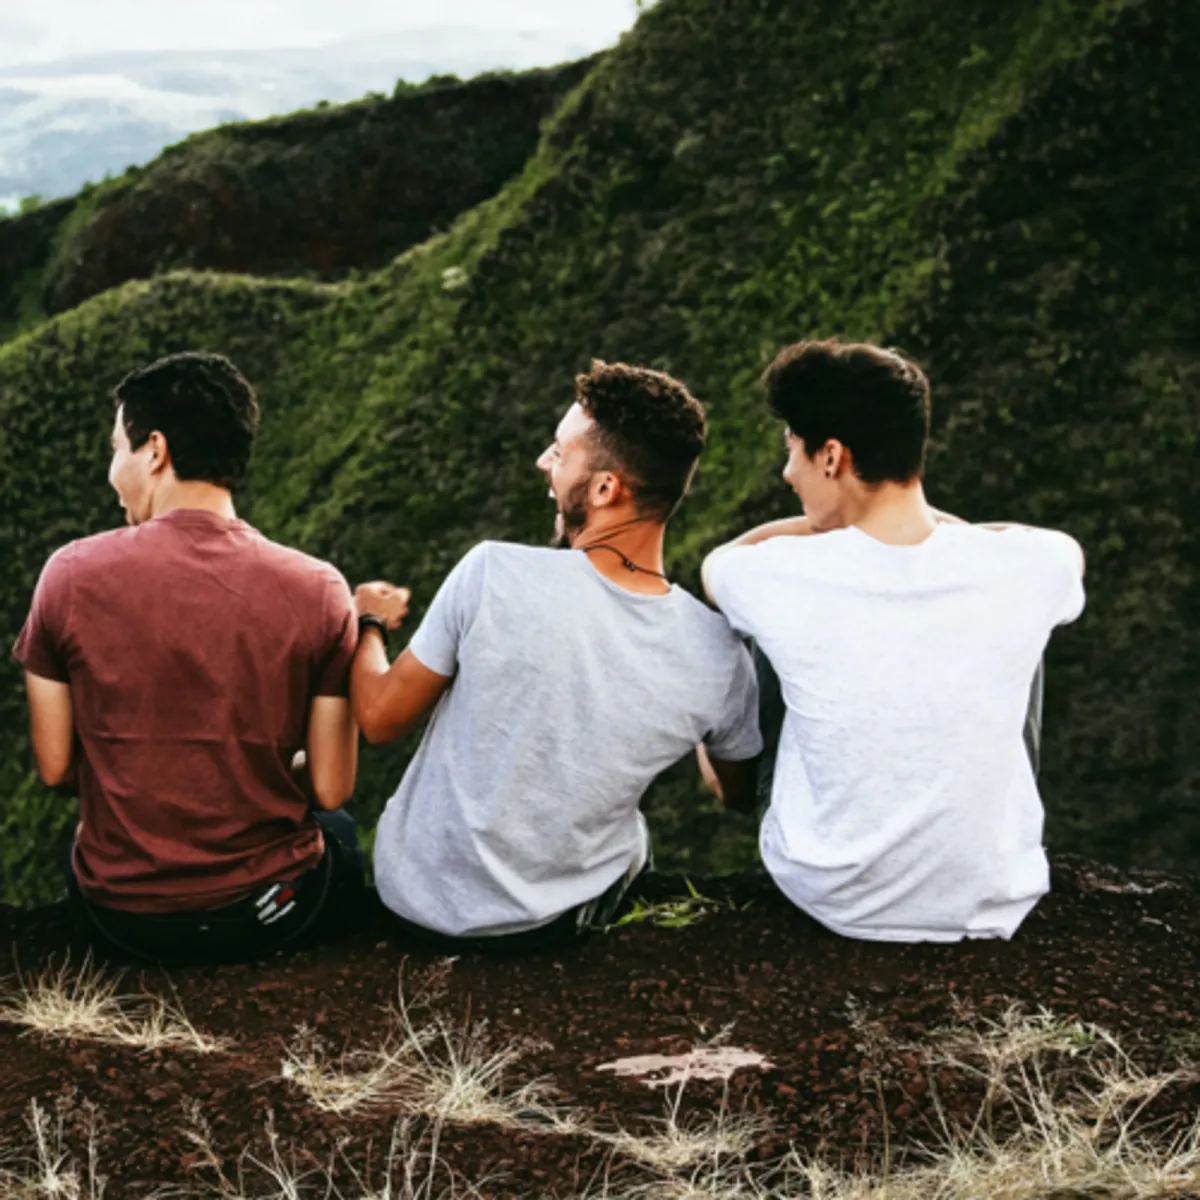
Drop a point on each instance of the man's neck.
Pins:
(631, 540)
(206, 497)
(896, 514)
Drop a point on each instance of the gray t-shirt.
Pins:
(569, 696)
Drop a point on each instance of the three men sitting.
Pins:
(179, 671)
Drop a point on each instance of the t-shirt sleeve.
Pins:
(736, 737)
(41, 646)
(340, 640)
(731, 579)
(436, 643)
(1060, 576)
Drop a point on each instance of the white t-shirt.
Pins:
(904, 806)
(569, 696)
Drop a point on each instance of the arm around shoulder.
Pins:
(787, 527)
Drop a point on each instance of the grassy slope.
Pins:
(1001, 193)
(319, 193)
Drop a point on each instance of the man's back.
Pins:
(904, 805)
(193, 647)
(570, 695)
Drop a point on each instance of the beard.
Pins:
(573, 511)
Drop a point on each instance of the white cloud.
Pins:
(61, 28)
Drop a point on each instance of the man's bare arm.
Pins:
(787, 527)
(52, 725)
(391, 700)
(332, 754)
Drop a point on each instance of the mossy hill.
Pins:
(1004, 190)
(317, 194)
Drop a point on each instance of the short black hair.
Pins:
(649, 428)
(874, 401)
(202, 404)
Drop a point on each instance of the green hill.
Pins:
(1003, 190)
(317, 194)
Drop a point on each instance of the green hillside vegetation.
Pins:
(1001, 190)
(317, 194)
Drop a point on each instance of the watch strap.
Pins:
(371, 621)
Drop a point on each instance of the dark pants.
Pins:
(771, 710)
(562, 931)
(276, 917)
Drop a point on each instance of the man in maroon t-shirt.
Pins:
(175, 671)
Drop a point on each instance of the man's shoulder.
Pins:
(706, 624)
(296, 563)
(97, 551)
(512, 560)
(783, 554)
(1015, 544)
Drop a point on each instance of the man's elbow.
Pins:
(331, 788)
(377, 730)
(330, 799)
(54, 770)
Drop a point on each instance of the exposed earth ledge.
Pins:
(927, 1034)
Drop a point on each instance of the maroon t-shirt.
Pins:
(193, 647)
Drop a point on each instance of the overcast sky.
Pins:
(50, 29)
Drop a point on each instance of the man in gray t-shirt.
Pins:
(564, 681)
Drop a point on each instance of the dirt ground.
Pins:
(836, 1020)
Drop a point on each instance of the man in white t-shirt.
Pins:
(904, 804)
(565, 680)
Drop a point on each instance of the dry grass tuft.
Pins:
(85, 1005)
(412, 1171)
(708, 1143)
(46, 1170)
(437, 1070)
(1073, 1103)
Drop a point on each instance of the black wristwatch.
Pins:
(371, 621)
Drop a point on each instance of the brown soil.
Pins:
(1120, 951)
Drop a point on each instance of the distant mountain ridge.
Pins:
(377, 176)
(74, 121)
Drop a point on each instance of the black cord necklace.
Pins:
(626, 562)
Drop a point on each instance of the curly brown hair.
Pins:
(872, 400)
(649, 429)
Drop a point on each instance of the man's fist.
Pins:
(382, 600)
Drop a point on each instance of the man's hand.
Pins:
(382, 600)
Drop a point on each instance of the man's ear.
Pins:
(160, 453)
(835, 458)
(605, 489)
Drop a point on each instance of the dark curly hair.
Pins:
(649, 429)
(872, 400)
(202, 405)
